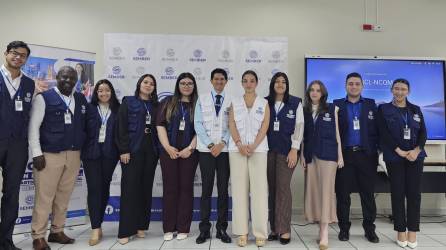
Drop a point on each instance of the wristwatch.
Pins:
(211, 145)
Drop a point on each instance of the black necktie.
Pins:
(217, 103)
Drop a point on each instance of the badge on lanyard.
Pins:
(356, 123)
(406, 133)
(102, 133)
(276, 125)
(18, 104)
(148, 119)
(277, 122)
(182, 124)
(67, 117)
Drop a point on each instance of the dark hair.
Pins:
(172, 104)
(219, 71)
(272, 93)
(250, 72)
(18, 44)
(353, 74)
(154, 95)
(323, 107)
(401, 80)
(114, 103)
(84, 77)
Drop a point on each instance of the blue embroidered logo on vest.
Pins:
(371, 115)
(28, 97)
(259, 111)
(416, 117)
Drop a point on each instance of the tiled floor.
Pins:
(432, 237)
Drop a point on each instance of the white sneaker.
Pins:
(402, 244)
(168, 236)
(181, 236)
(412, 244)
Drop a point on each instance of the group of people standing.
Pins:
(253, 141)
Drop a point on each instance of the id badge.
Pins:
(407, 133)
(102, 132)
(148, 119)
(67, 117)
(276, 126)
(18, 105)
(182, 125)
(356, 124)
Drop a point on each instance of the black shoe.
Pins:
(272, 237)
(8, 245)
(223, 236)
(284, 241)
(372, 237)
(203, 237)
(344, 235)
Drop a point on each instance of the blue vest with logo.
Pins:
(92, 149)
(55, 135)
(173, 129)
(280, 141)
(14, 124)
(320, 136)
(395, 124)
(136, 122)
(367, 124)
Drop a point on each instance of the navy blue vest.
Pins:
(395, 124)
(55, 135)
(320, 137)
(14, 124)
(136, 118)
(173, 129)
(367, 124)
(280, 141)
(92, 149)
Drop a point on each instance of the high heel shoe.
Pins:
(123, 241)
(140, 234)
(323, 247)
(402, 244)
(96, 236)
(412, 244)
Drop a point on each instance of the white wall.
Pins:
(411, 28)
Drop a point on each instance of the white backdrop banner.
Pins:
(128, 56)
(42, 66)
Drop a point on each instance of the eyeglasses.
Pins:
(186, 84)
(17, 54)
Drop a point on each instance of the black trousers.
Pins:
(209, 165)
(360, 169)
(99, 173)
(13, 159)
(136, 189)
(405, 186)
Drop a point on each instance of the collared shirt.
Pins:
(11, 84)
(198, 117)
(353, 110)
(297, 136)
(37, 115)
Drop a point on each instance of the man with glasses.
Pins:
(16, 93)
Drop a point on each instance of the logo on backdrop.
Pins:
(169, 74)
(230, 77)
(116, 73)
(253, 57)
(225, 57)
(198, 73)
(141, 55)
(109, 209)
(197, 56)
(276, 57)
(116, 51)
(170, 56)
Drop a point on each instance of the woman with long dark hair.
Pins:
(403, 136)
(322, 155)
(100, 154)
(285, 134)
(137, 143)
(178, 159)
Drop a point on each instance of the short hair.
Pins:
(219, 71)
(18, 44)
(401, 80)
(353, 74)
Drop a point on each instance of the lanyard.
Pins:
(66, 104)
(355, 109)
(148, 107)
(182, 111)
(18, 90)
(404, 117)
(278, 110)
(105, 117)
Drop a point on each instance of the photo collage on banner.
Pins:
(42, 67)
(128, 56)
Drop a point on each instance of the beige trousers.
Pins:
(53, 187)
(248, 177)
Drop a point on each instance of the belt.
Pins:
(354, 148)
